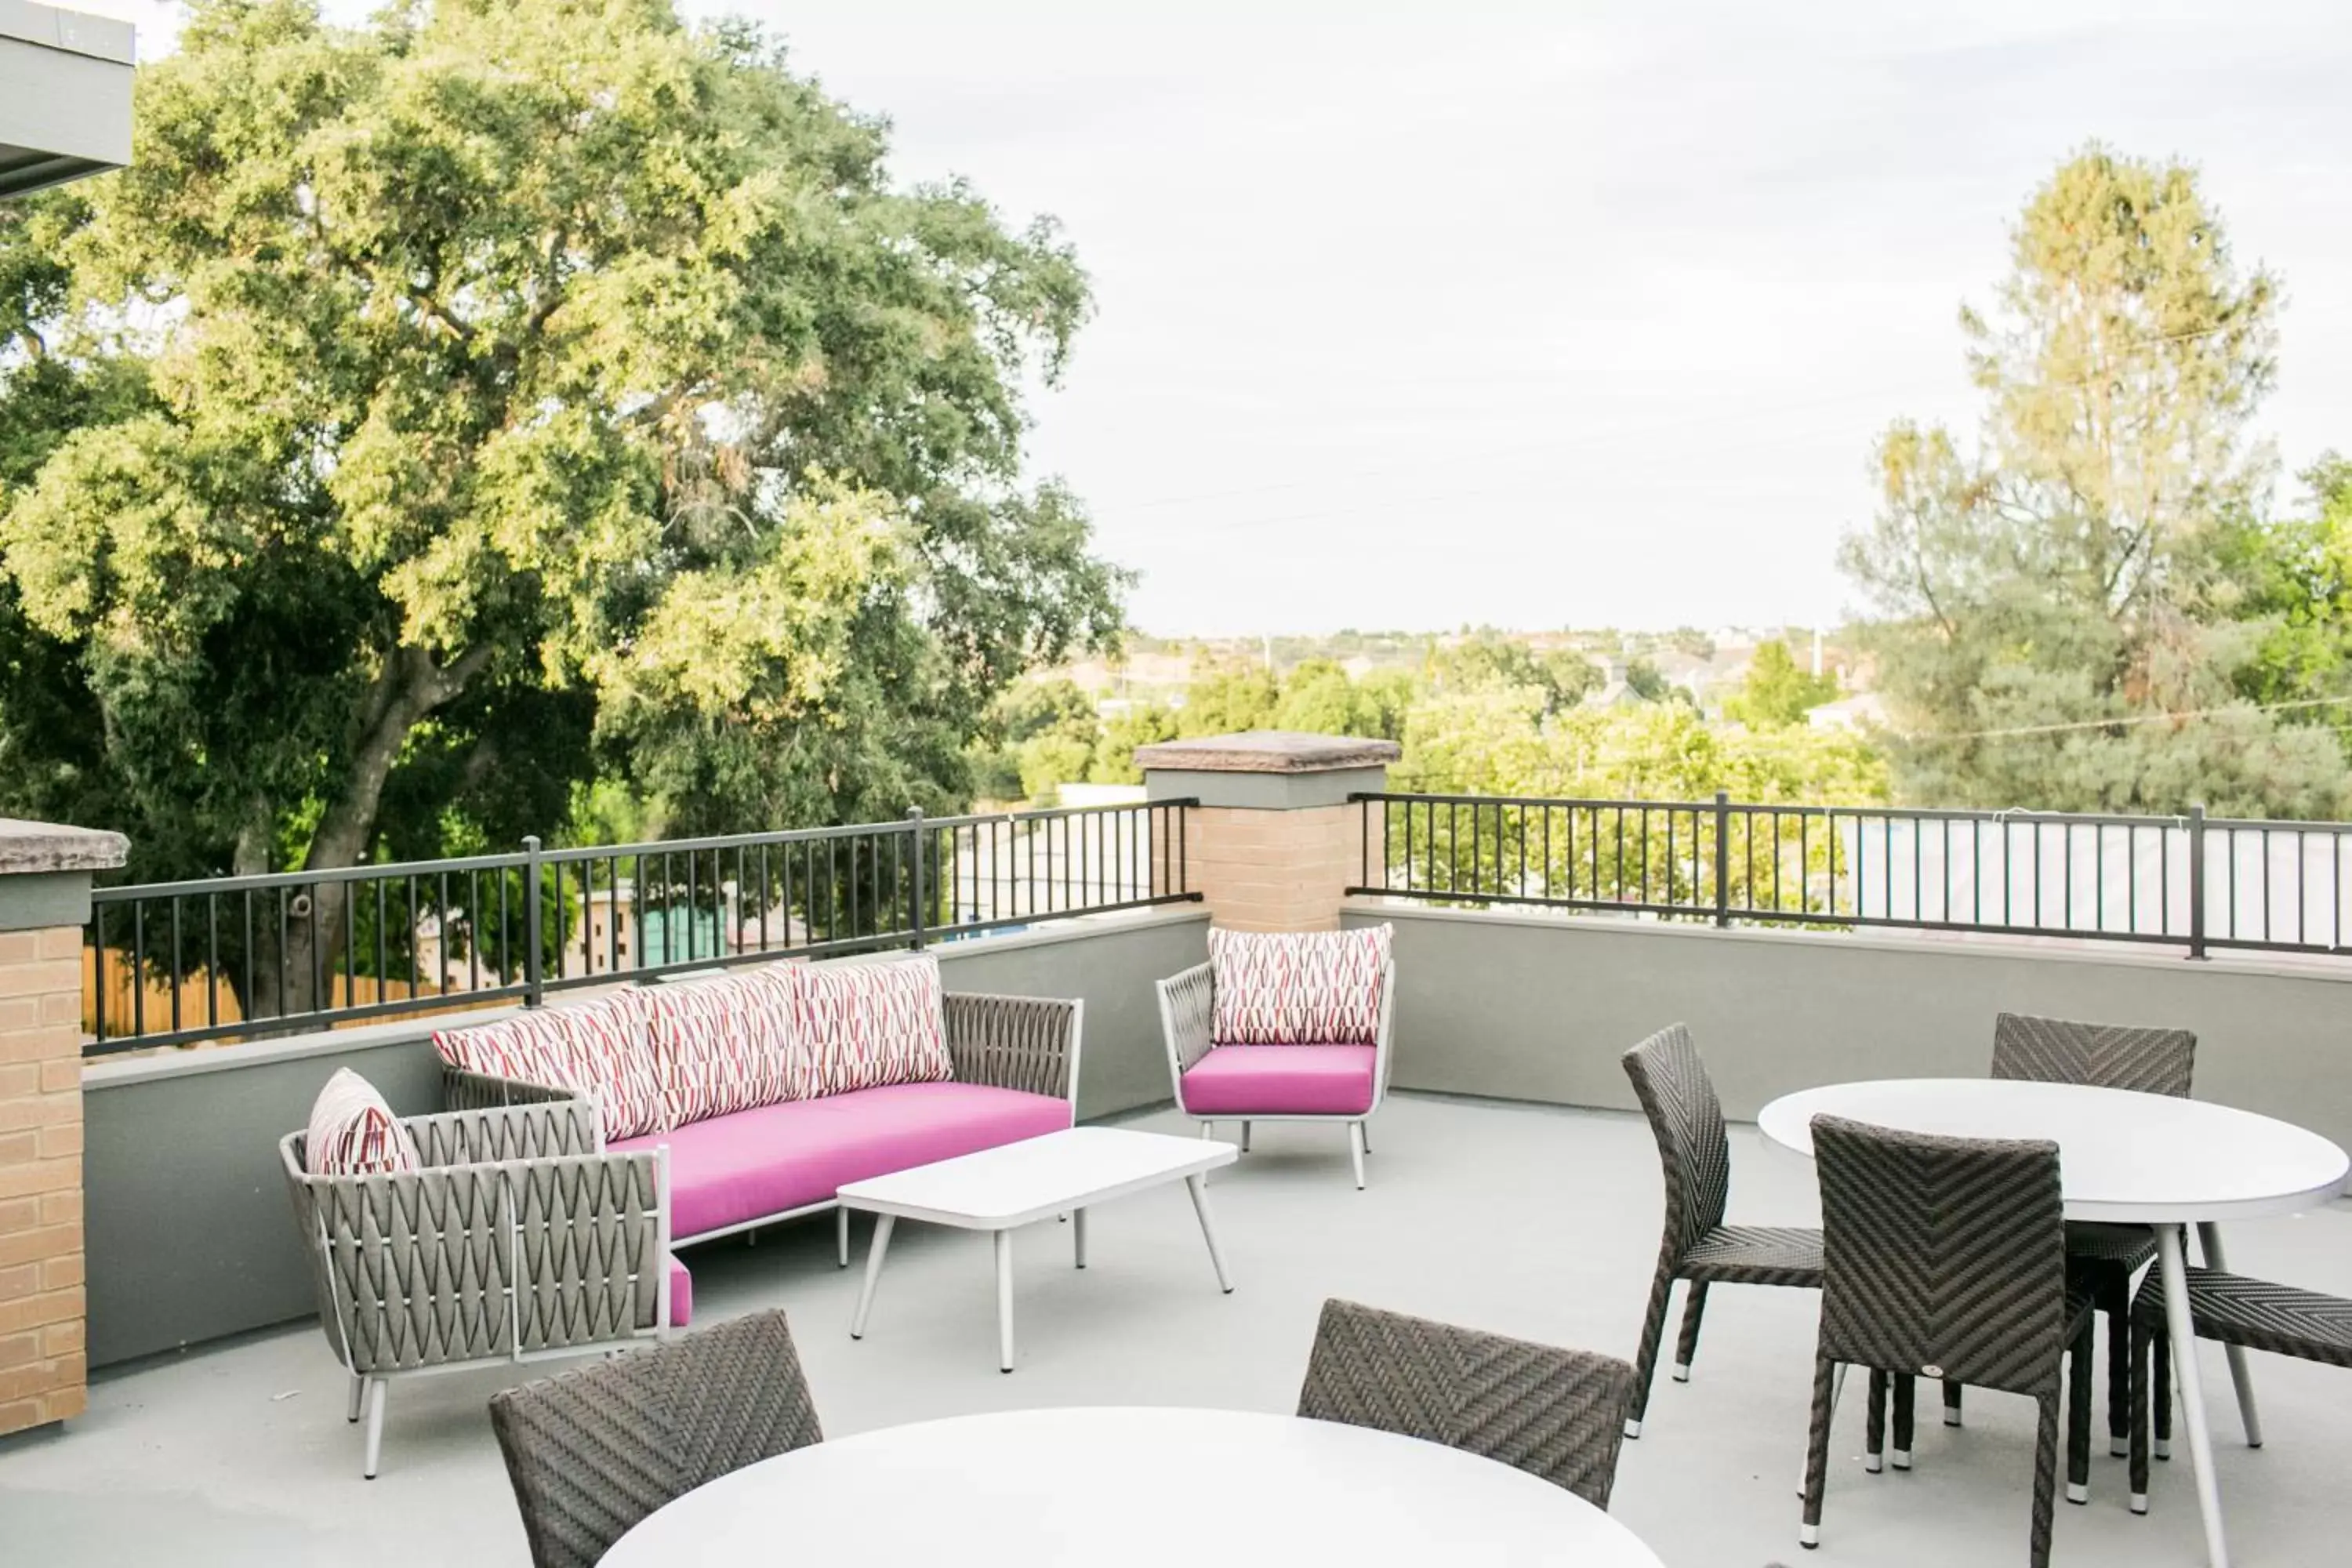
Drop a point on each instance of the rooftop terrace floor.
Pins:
(1525, 1220)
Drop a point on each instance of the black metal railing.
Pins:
(174, 962)
(2192, 881)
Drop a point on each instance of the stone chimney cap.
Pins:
(31, 847)
(1267, 751)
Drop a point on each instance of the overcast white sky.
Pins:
(1558, 314)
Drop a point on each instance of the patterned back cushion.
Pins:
(1291, 988)
(603, 1049)
(872, 1024)
(731, 1043)
(353, 1132)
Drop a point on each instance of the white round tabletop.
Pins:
(2127, 1157)
(1132, 1486)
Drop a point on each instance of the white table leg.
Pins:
(1078, 1235)
(1004, 1300)
(882, 1224)
(2190, 1389)
(841, 1236)
(1200, 1192)
(2209, 1242)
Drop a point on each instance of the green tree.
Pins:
(1776, 691)
(1226, 701)
(1139, 724)
(1488, 658)
(509, 385)
(2049, 615)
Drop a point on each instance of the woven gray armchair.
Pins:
(519, 1239)
(593, 1450)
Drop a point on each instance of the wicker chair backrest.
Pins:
(2109, 1056)
(1556, 1413)
(593, 1450)
(1688, 1119)
(1943, 1256)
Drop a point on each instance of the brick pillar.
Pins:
(45, 875)
(1275, 843)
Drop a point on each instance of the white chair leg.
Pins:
(374, 1426)
(1364, 1131)
(1356, 1148)
(1208, 1129)
(1078, 1237)
(841, 1236)
(1245, 1127)
(1004, 1300)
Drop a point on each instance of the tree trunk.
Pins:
(409, 687)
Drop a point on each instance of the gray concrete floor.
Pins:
(1529, 1221)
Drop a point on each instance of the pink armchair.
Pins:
(1283, 1027)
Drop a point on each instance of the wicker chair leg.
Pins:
(356, 1397)
(2046, 1482)
(1645, 1360)
(1687, 1346)
(2115, 1305)
(2160, 1348)
(1817, 1454)
(1873, 1441)
(1951, 1403)
(2078, 1417)
(1905, 1392)
(2139, 1360)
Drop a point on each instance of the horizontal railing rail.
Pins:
(2191, 881)
(169, 963)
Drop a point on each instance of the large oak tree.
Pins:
(437, 412)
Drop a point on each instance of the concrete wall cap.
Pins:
(39, 847)
(1267, 751)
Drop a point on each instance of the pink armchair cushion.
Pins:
(733, 1169)
(1282, 1081)
(1280, 988)
(681, 1295)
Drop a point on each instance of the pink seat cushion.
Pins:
(681, 1295)
(754, 1163)
(1281, 1081)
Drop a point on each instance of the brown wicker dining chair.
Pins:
(593, 1450)
(2234, 1310)
(1556, 1413)
(1946, 1257)
(1687, 1121)
(2107, 1056)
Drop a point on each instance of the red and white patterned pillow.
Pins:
(601, 1049)
(1291, 988)
(731, 1043)
(870, 1023)
(353, 1132)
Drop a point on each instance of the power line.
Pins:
(2131, 718)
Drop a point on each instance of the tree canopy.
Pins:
(2056, 629)
(437, 415)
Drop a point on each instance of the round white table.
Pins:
(1133, 1486)
(2124, 1158)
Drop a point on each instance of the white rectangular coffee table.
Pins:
(1001, 1189)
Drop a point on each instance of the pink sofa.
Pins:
(1015, 1072)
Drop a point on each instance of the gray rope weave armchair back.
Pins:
(1556, 1413)
(593, 1450)
(2109, 1056)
